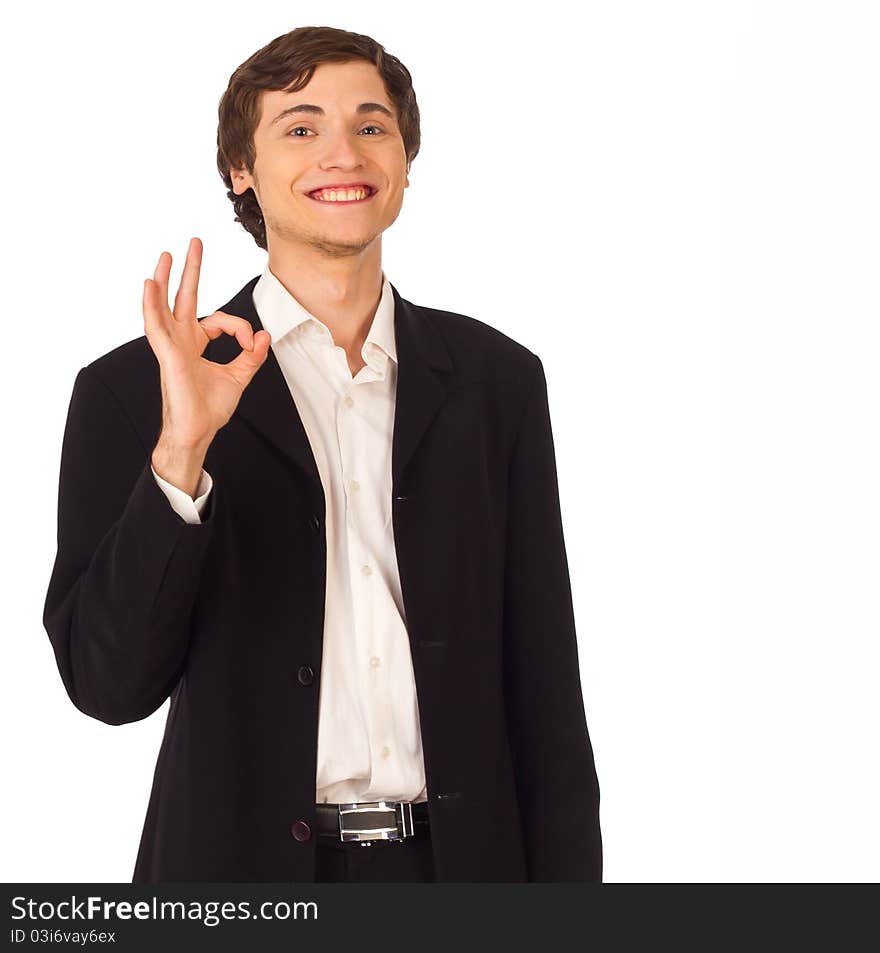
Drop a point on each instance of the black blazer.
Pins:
(226, 616)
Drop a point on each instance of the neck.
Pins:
(344, 293)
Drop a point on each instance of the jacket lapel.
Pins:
(423, 382)
(266, 404)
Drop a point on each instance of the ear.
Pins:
(242, 180)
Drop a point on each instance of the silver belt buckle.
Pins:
(398, 815)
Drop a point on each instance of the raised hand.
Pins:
(198, 396)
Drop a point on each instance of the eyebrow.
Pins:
(308, 108)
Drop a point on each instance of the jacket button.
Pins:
(301, 831)
(305, 674)
(315, 522)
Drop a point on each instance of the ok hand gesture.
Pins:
(198, 396)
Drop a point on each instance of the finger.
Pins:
(248, 363)
(155, 327)
(185, 307)
(221, 323)
(160, 276)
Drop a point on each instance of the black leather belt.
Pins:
(373, 820)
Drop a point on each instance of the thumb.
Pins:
(249, 362)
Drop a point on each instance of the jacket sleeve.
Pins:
(127, 567)
(556, 780)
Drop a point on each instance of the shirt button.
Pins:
(386, 751)
(374, 662)
(301, 831)
(366, 570)
(349, 401)
(355, 485)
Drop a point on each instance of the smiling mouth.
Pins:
(353, 196)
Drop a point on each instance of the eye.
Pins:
(378, 129)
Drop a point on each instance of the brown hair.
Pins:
(288, 63)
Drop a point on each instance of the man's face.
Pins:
(305, 150)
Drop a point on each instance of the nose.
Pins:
(341, 151)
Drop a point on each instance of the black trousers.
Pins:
(408, 861)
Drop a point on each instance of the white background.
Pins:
(676, 206)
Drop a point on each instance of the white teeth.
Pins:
(334, 195)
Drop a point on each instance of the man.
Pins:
(325, 522)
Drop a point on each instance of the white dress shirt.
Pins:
(369, 736)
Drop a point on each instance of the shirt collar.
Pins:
(280, 313)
